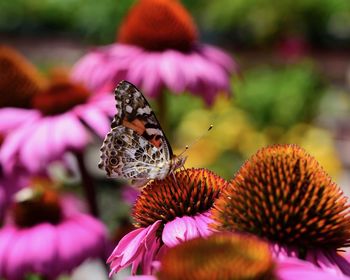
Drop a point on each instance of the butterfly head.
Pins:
(177, 162)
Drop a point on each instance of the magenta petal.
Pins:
(150, 256)
(42, 248)
(124, 242)
(18, 263)
(11, 146)
(171, 73)
(36, 149)
(7, 236)
(96, 120)
(73, 133)
(132, 248)
(202, 221)
(151, 83)
(340, 261)
(219, 57)
(141, 277)
(329, 261)
(293, 268)
(12, 118)
(179, 230)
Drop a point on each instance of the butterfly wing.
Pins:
(133, 111)
(136, 147)
(126, 154)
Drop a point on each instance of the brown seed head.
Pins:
(36, 204)
(158, 25)
(19, 79)
(61, 95)
(192, 191)
(219, 257)
(282, 194)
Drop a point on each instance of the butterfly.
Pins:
(136, 147)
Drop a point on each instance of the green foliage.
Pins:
(281, 96)
(93, 20)
(260, 20)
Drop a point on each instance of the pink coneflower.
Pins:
(228, 257)
(166, 213)
(283, 195)
(63, 117)
(157, 48)
(40, 237)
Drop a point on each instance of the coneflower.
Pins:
(157, 48)
(166, 213)
(283, 195)
(218, 257)
(226, 256)
(46, 234)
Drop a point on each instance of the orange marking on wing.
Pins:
(156, 142)
(136, 125)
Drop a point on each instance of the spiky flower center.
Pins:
(219, 257)
(185, 193)
(37, 204)
(158, 25)
(283, 194)
(19, 80)
(60, 96)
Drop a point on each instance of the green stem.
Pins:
(162, 112)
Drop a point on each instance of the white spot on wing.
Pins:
(146, 110)
(153, 131)
(128, 109)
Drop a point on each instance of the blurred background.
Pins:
(293, 83)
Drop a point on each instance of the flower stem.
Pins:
(88, 185)
(162, 111)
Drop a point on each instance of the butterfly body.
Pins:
(136, 148)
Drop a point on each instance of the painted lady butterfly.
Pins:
(136, 147)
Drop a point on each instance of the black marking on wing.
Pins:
(132, 105)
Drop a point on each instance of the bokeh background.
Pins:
(292, 85)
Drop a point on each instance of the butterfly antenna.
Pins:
(195, 141)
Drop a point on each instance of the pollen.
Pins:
(186, 192)
(282, 194)
(218, 257)
(158, 25)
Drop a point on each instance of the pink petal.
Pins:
(36, 149)
(96, 120)
(71, 132)
(141, 277)
(42, 249)
(12, 118)
(7, 237)
(18, 263)
(151, 83)
(219, 57)
(202, 221)
(171, 73)
(179, 230)
(292, 268)
(11, 146)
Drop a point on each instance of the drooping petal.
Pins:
(293, 268)
(179, 230)
(43, 250)
(14, 117)
(132, 247)
(96, 120)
